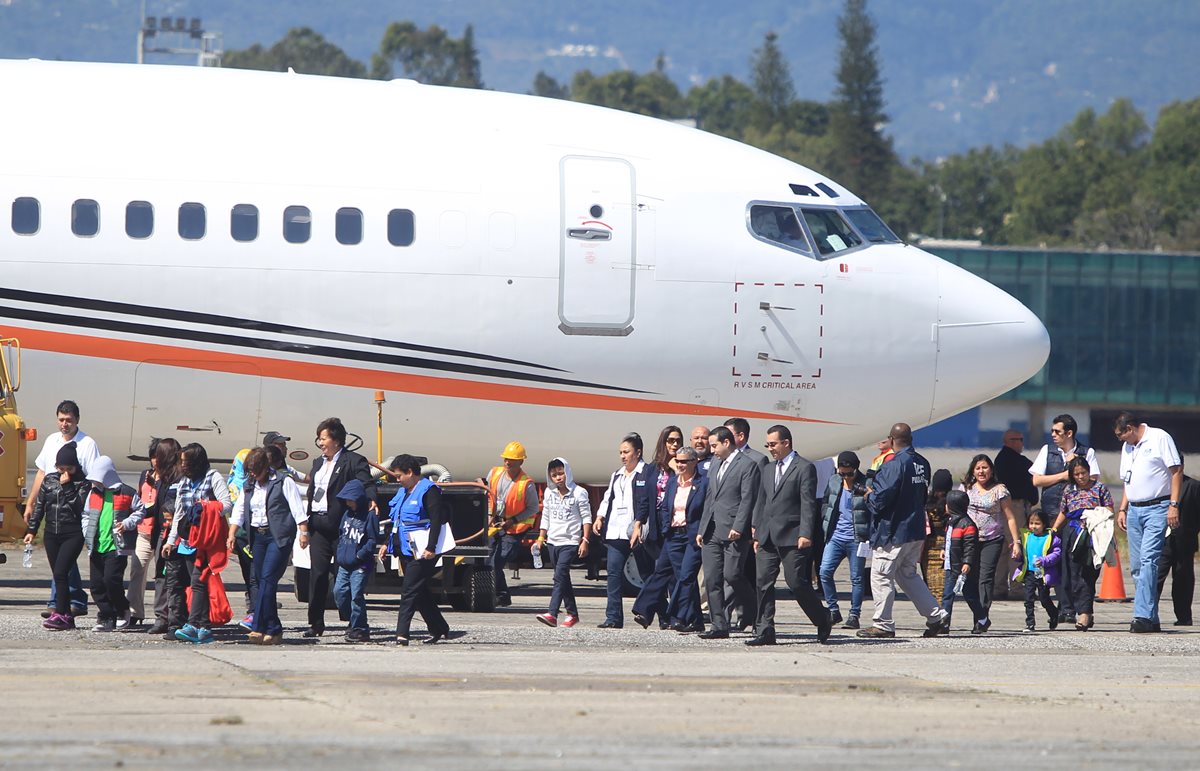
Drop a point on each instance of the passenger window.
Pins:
(400, 227)
(192, 221)
(26, 216)
(830, 231)
(869, 224)
(779, 225)
(297, 224)
(139, 219)
(243, 222)
(348, 226)
(85, 217)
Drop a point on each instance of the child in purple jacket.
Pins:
(1041, 555)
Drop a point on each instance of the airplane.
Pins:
(210, 254)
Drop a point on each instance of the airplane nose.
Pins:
(987, 342)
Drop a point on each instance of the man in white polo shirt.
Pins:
(1153, 477)
(88, 452)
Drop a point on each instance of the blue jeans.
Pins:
(350, 594)
(685, 594)
(269, 565)
(563, 592)
(835, 552)
(970, 594)
(78, 596)
(1147, 528)
(503, 548)
(617, 551)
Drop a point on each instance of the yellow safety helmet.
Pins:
(513, 451)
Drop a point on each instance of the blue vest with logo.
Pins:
(1052, 495)
(407, 511)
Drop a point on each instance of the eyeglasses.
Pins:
(1057, 432)
(674, 440)
(847, 474)
(772, 445)
(685, 460)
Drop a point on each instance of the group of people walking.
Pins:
(712, 521)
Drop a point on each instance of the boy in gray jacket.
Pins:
(566, 525)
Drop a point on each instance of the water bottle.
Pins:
(537, 555)
(27, 560)
(958, 585)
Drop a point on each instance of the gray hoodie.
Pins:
(563, 516)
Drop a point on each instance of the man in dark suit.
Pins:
(724, 536)
(785, 516)
(743, 616)
(330, 472)
(1179, 554)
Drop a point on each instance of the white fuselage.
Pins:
(574, 273)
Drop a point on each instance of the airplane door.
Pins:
(597, 247)
(220, 410)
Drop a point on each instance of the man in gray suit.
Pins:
(743, 615)
(724, 536)
(784, 517)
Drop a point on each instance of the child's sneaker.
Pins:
(188, 633)
(59, 623)
(204, 636)
(247, 622)
(549, 619)
(1029, 628)
(105, 625)
(570, 620)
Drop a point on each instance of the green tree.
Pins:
(722, 106)
(863, 157)
(1173, 173)
(303, 50)
(429, 56)
(772, 83)
(652, 94)
(544, 85)
(969, 194)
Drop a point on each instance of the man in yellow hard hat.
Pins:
(515, 505)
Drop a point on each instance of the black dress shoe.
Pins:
(314, 631)
(503, 602)
(835, 617)
(663, 625)
(714, 634)
(1182, 622)
(1141, 626)
(641, 620)
(688, 628)
(402, 642)
(446, 635)
(767, 638)
(824, 629)
(609, 625)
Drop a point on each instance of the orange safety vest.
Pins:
(513, 501)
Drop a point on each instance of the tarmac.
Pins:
(512, 693)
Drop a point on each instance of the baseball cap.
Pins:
(274, 437)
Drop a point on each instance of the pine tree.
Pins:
(862, 157)
(772, 82)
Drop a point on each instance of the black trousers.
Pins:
(417, 598)
(1181, 562)
(1081, 575)
(108, 584)
(797, 572)
(198, 609)
(989, 560)
(62, 551)
(724, 565)
(246, 562)
(322, 543)
(1036, 589)
(176, 579)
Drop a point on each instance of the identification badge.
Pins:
(318, 495)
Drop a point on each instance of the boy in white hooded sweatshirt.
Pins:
(566, 525)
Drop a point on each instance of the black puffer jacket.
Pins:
(60, 505)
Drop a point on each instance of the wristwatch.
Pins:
(1173, 503)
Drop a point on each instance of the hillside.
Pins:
(959, 74)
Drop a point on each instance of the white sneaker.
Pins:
(123, 621)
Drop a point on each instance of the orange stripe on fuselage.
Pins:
(335, 374)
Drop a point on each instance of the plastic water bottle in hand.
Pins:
(27, 560)
(537, 554)
(958, 585)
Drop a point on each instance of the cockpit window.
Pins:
(830, 231)
(868, 223)
(779, 225)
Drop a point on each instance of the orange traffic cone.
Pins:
(1112, 582)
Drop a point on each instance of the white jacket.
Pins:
(1099, 523)
(563, 516)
